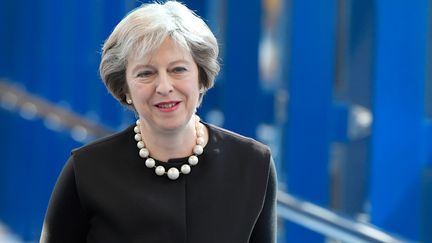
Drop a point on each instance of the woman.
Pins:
(170, 177)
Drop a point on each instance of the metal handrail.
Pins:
(329, 223)
(55, 117)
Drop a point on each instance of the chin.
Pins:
(172, 124)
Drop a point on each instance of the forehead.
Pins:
(168, 48)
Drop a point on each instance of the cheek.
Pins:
(140, 93)
(193, 90)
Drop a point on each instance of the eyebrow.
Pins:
(148, 65)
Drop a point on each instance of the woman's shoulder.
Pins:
(231, 139)
(239, 153)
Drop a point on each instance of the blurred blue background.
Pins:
(340, 89)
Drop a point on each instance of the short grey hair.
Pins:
(144, 29)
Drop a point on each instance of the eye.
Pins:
(144, 74)
(179, 70)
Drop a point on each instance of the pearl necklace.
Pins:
(173, 173)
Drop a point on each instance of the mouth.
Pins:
(167, 106)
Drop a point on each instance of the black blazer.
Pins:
(106, 194)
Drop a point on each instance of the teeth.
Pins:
(167, 105)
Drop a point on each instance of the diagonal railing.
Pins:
(55, 117)
(330, 224)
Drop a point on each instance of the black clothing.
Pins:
(105, 194)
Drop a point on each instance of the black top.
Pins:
(105, 194)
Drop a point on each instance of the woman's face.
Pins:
(164, 87)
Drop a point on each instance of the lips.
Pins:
(167, 106)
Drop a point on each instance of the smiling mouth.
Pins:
(167, 105)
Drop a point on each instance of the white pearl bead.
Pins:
(150, 163)
(140, 144)
(143, 153)
(185, 169)
(200, 141)
(198, 149)
(138, 137)
(193, 160)
(160, 170)
(136, 129)
(137, 122)
(200, 132)
(173, 173)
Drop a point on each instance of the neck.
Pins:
(167, 145)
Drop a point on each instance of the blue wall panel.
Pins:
(310, 87)
(399, 110)
(240, 67)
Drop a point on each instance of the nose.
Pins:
(164, 85)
